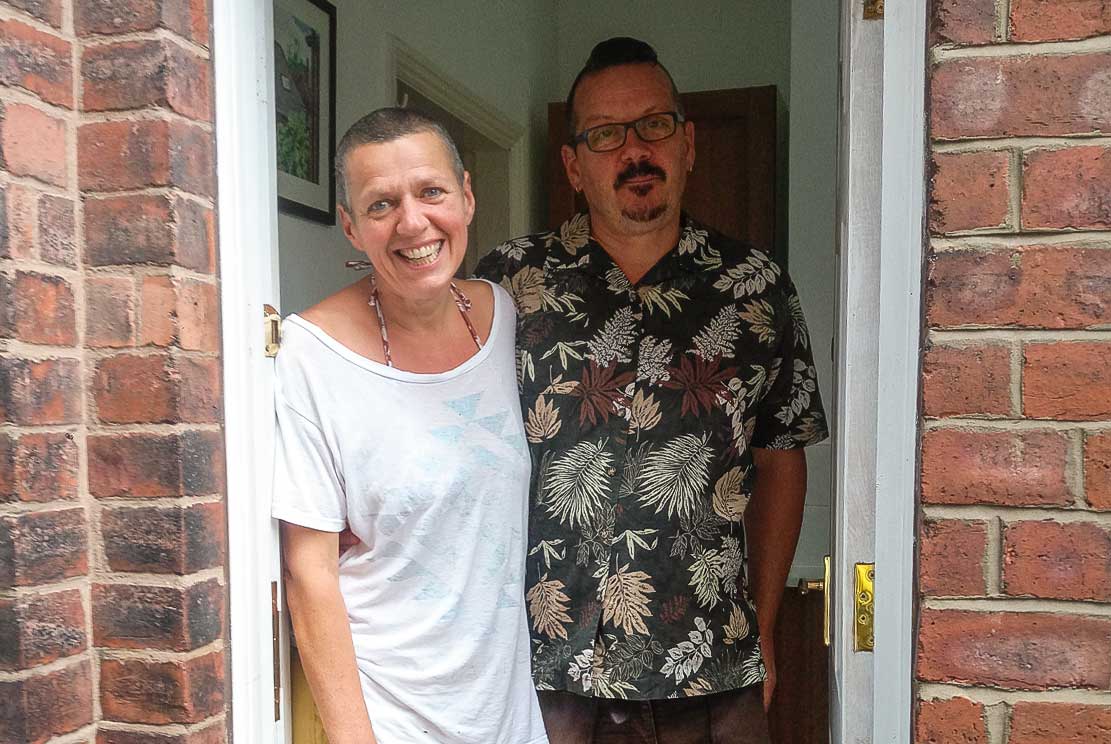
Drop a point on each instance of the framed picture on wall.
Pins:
(305, 107)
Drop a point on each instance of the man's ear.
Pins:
(688, 135)
(571, 166)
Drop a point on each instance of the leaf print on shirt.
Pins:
(675, 476)
(575, 232)
(653, 360)
(686, 658)
(514, 249)
(798, 320)
(547, 605)
(761, 319)
(751, 276)
(625, 600)
(615, 340)
(706, 572)
(804, 382)
(664, 300)
(701, 382)
(629, 657)
(719, 337)
(576, 484)
(737, 629)
(729, 500)
(643, 412)
(543, 421)
(526, 287)
(617, 282)
(601, 392)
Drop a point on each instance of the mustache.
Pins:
(638, 169)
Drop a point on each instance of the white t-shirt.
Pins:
(431, 472)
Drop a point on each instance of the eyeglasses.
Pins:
(609, 137)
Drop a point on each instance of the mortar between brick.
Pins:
(949, 52)
(143, 654)
(989, 696)
(997, 144)
(1016, 513)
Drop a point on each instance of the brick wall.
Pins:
(1014, 643)
(112, 536)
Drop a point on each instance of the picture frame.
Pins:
(305, 108)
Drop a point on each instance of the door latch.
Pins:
(864, 634)
(820, 585)
(272, 330)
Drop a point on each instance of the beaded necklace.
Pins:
(461, 301)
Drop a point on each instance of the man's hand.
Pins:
(767, 649)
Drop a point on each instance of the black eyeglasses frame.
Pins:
(583, 136)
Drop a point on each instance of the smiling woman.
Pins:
(418, 629)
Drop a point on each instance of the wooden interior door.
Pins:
(733, 189)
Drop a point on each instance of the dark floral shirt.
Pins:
(641, 406)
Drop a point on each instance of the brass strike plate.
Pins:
(272, 328)
(873, 10)
(864, 636)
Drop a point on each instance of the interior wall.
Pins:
(714, 44)
(503, 51)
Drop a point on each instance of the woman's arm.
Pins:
(323, 634)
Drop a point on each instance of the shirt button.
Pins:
(611, 472)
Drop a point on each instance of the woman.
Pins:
(398, 417)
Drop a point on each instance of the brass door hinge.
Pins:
(276, 625)
(864, 634)
(873, 10)
(272, 330)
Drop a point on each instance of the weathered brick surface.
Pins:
(1053, 20)
(39, 392)
(148, 229)
(962, 21)
(40, 547)
(157, 388)
(17, 220)
(37, 708)
(187, 18)
(120, 155)
(171, 540)
(37, 308)
(1020, 96)
(1057, 561)
(38, 467)
(953, 721)
(175, 619)
(1067, 380)
(951, 558)
(110, 317)
(968, 191)
(140, 74)
(57, 239)
(1029, 287)
(1014, 650)
(1007, 468)
(36, 61)
(41, 629)
(1097, 470)
(162, 692)
(1059, 723)
(179, 312)
(152, 465)
(1067, 188)
(33, 143)
(47, 11)
(961, 381)
(214, 734)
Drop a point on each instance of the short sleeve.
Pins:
(308, 490)
(790, 415)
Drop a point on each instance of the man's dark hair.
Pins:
(387, 125)
(620, 50)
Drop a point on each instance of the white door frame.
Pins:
(248, 272)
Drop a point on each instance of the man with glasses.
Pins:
(668, 389)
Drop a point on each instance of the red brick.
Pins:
(157, 389)
(38, 467)
(1057, 561)
(200, 400)
(968, 191)
(181, 312)
(36, 61)
(1007, 468)
(1014, 650)
(1020, 96)
(1097, 470)
(110, 311)
(214, 734)
(37, 309)
(36, 709)
(187, 18)
(953, 721)
(141, 74)
(34, 144)
(156, 465)
(168, 540)
(162, 692)
(48, 11)
(38, 547)
(973, 380)
(39, 629)
(118, 155)
(1053, 20)
(158, 309)
(962, 22)
(171, 618)
(146, 229)
(1068, 188)
(1070, 381)
(57, 241)
(951, 558)
(1059, 723)
(17, 221)
(39, 392)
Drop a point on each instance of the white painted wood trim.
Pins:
(902, 241)
(248, 278)
(410, 67)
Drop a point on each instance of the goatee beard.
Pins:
(644, 214)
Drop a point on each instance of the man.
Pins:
(668, 389)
